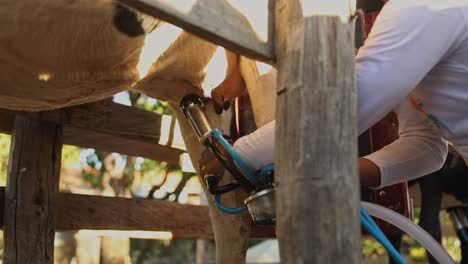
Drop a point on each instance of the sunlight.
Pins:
(122, 98)
(165, 132)
(156, 43)
(172, 181)
(187, 165)
(263, 68)
(45, 76)
(178, 141)
(182, 5)
(191, 192)
(256, 13)
(215, 71)
(159, 235)
(341, 8)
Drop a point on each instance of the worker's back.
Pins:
(423, 45)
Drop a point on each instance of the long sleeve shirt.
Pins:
(415, 61)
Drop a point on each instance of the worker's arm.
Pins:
(407, 40)
(418, 151)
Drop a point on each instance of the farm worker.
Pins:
(415, 62)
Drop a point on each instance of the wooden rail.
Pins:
(106, 126)
(76, 211)
(316, 136)
(33, 177)
(214, 20)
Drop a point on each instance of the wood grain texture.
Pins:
(316, 152)
(110, 118)
(75, 211)
(33, 176)
(105, 126)
(103, 116)
(107, 142)
(213, 20)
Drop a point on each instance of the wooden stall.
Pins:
(32, 207)
(296, 41)
(314, 55)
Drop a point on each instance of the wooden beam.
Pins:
(75, 211)
(104, 116)
(214, 20)
(114, 213)
(105, 126)
(109, 118)
(316, 152)
(108, 142)
(33, 177)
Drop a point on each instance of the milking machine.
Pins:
(261, 203)
(259, 186)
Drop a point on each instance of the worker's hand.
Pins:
(208, 164)
(232, 86)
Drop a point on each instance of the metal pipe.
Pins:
(194, 110)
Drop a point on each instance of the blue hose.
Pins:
(366, 219)
(374, 230)
(242, 165)
(464, 235)
(267, 169)
(227, 210)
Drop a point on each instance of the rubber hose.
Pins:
(413, 230)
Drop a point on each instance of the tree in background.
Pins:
(120, 175)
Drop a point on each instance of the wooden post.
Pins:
(33, 176)
(316, 138)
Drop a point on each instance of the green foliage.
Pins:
(254, 242)
(93, 168)
(4, 156)
(70, 156)
(371, 247)
(178, 251)
(149, 104)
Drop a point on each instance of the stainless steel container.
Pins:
(262, 207)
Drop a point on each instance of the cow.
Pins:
(56, 53)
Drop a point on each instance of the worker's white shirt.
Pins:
(415, 61)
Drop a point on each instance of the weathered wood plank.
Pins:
(33, 176)
(105, 126)
(110, 118)
(107, 142)
(114, 213)
(214, 20)
(76, 211)
(104, 116)
(316, 152)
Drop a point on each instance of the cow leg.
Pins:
(232, 232)
(431, 198)
(464, 250)
(395, 239)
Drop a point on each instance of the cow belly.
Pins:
(20, 91)
(57, 53)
